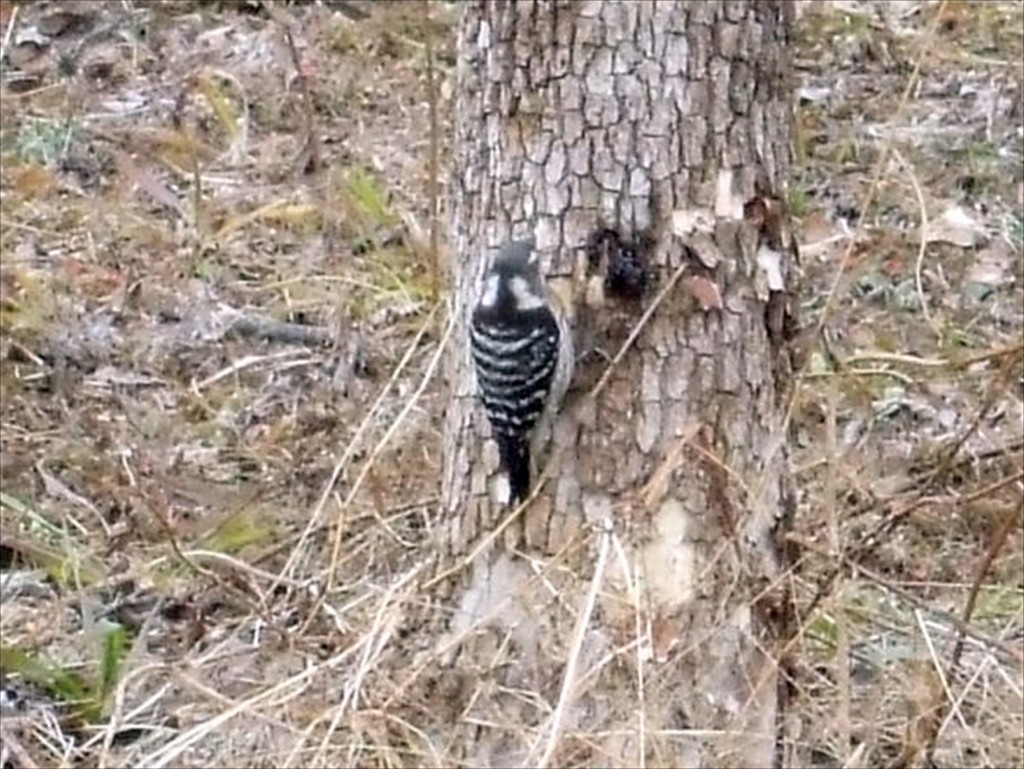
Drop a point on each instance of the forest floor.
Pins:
(220, 416)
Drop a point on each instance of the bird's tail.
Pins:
(514, 451)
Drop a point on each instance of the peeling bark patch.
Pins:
(728, 201)
(704, 291)
(777, 259)
(669, 558)
(691, 221)
(701, 255)
(768, 215)
(770, 260)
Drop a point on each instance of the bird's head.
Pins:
(513, 281)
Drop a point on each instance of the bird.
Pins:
(523, 354)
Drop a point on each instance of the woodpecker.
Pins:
(522, 348)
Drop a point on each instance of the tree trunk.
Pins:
(635, 612)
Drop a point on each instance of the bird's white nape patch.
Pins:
(489, 298)
(524, 295)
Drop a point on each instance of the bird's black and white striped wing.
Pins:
(514, 369)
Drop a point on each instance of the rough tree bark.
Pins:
(617, 133)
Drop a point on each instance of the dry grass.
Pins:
(220, 420)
